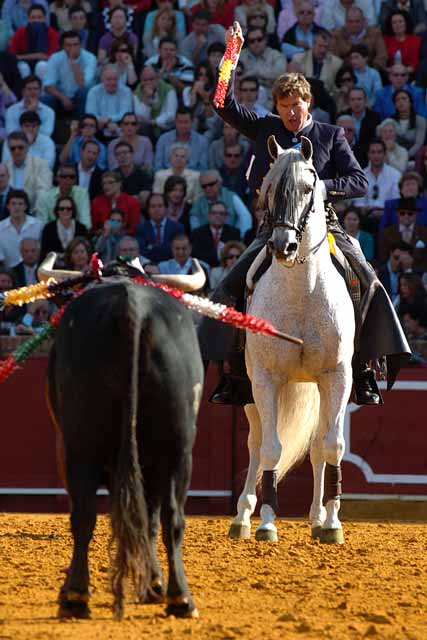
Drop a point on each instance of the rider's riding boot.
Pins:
(234, 387)
(364, 384)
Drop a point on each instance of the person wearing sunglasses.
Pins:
(141, 145)
(383, 181)
(83, 130)
(249, 94)
(210, 238)
(39, 144)
(300, 36)
(341, 177)
(57, 235)
(66, 187)
(399, 79)
(230, 253)
(406, 230)
(27, 172)
(17, 226)
(233, 172)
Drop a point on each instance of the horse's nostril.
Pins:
(292, 247)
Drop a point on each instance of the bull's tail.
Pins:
(130, 550)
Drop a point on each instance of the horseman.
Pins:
(380, 333)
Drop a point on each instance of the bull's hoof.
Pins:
(74, 609)
(266, 535)
(240, 531)
(332, 536)
(182, 607)
(315, 532)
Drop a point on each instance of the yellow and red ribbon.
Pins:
(231, 56)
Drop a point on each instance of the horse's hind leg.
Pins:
(82, 480)
(334, 392)
(241, 525)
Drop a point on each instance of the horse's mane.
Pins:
(285, 182)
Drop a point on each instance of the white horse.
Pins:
(300, 392)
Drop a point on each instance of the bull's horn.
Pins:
(187, 283)
(46, 270)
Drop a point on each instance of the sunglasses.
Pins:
(406, 213)
(65, 208)
(346, 79)
(133, 124)
(232, 256)
(209, 184)
(17, 146)
(252, 40)
(305, 13)
(67, 176)
(233, 155)
(125, 50)
(252, 90)
(218, 212)
(92, 125)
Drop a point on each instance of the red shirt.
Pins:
(101, 209)
(409, 48)
(18, 44)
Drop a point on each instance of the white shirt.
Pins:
(387, 185)
(30, 274)
(17, 181)
(85, 176)
(10, 239)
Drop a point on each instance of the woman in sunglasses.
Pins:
(121, 55)
(230, 253)
(57, 235)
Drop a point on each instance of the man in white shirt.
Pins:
(25, 271)
(27, 172)
(31, 92)
(40, 145)
(182, 262)
(89, 174)
(382, 178)
(109, 101)
(17, 226)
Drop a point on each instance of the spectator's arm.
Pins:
(167, 115)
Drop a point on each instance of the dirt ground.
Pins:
(374, 586)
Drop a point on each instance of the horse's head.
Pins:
(288, 194)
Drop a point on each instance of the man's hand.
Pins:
(67, 103)
(234, 32)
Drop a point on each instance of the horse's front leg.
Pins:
(241, 525)
(334, 392)
(266, 394)
(317, 509)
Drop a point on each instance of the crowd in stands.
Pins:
(109, 141)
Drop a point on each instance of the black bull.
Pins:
(125, 382)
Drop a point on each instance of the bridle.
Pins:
(280, 221)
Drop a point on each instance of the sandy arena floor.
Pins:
(375, 586)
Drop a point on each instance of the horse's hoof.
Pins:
(332, 536)
(78, 610)
(182, 607)
(266, 535)
(241, 531)
(315, 532)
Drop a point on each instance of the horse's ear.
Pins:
(274, 148)
(306, 148)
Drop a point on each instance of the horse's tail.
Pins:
(129, 519)
(299, 408)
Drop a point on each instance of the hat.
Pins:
(407, 204)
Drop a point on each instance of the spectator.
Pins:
(155, 102)
(39, 145)
(248, 8)
(213, 191)
(7, 98)
(351, 223)
(14, 13)
(57, 235)
(258, 217)
(122, 57)
(118, 32)
(78, 254)
(346, 121)
(141, 145)
(366, 77)
(300, 37)
(396, 155)
(151, 16)
(164, 25)
(209, 239)
(230, 253)
(185, 134)
(399, 261)
(177, 207)
(61, 13)
(365, 119)
(410, 186)
(399, 77)
(78, 20)
(345, 80)
(408, 231)
(258, 17)
(262, 61)
(88, 172)
(382, 181)
(198, 98)
(221, 11)
(194, 47)
(114, 198)
(27, 172)
(25, 272)
(4, 190)
(128, 247)
(34, 43)
(107, 244)
(155, 234)
(109, 101)
(356, 31)
(31, 91)
(135, 181)
(414, 8)
(288, 16)
(403, 47)
(412, 295)
(172, 67)
(66, 179)
(215, 53)
(178, 156)
(9, 71)
(15, 227)
(233, 172)
(411, 128)
(318, 62)
(35, 318)
(249, 95)
(81, 131)
(181, 262)
(415, 325)
(217, 147)
(69, 75)
(334, 13)
(132, 15)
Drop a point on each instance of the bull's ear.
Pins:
(306, 148)
(274, 148)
